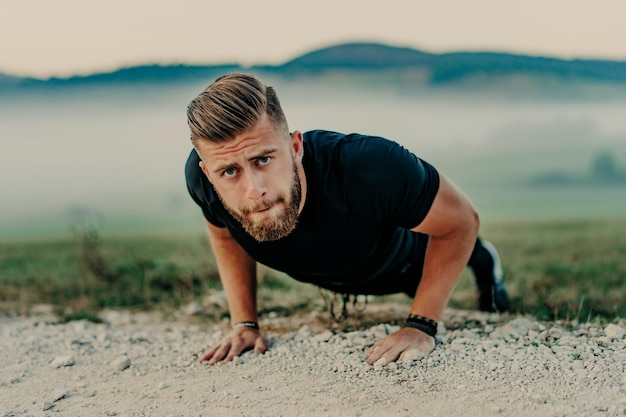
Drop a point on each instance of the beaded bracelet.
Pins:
(251, 324)
(424, 324)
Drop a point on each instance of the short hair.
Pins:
(230, 105)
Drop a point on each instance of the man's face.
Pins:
(257, 177)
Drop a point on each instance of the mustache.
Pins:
(263, 205)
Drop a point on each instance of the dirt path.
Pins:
(140, 365)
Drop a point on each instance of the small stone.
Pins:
(59, 395)
(217, 299)
(507, 353)
(555, 333)
(103, 337)
(61, 361)
(194, 309)
(614, 331)
(324, 336)
(120, 364)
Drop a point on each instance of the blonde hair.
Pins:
(230, 105)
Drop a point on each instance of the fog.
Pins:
(116, 154)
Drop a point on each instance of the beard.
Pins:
(273, 228)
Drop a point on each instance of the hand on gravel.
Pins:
(403, 344)
(234, 344)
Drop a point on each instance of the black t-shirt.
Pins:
(363, 195)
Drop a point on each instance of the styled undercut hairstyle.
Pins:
(230, 105)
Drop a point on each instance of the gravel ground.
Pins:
(140, 365)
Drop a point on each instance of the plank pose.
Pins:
(354, 214)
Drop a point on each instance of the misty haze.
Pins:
(116, 154)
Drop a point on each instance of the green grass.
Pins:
(560, 269)
(569, 269)
(88, 272)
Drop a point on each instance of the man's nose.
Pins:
(255, 186)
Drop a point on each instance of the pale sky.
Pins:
(45, 38)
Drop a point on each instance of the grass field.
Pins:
(570, 269)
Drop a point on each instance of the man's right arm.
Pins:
(237, 272)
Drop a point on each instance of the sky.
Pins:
(44, 38)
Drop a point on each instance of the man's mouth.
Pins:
(261, 210)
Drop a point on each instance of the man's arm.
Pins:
(452, 224)
(238, 275)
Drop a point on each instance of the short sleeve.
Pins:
(386, 183)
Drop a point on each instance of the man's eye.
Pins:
(229, 172)
(264, 160)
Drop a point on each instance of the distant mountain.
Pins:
(451, 66)
(138, 74)
(445, 68)
(369, 56)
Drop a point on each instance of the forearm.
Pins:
(452, 225)
(445, 259)
(237, 271)
(239, 281)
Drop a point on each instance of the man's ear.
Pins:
(204, 169)
(297, 148)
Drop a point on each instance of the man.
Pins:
(349, 213)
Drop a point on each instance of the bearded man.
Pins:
(354, 214)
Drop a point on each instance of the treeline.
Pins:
(603, 170)
(419, 66)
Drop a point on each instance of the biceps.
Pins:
(451, 210)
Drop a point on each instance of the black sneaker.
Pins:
(493, 297)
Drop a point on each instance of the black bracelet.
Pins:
(251, 324)
(424, 324)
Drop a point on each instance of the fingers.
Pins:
(218, 353)
(208, 354)
(383, 354)
(404, 344)
(233, 345)
(259, 345)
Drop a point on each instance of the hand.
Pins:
(234, 344)
(396, 346)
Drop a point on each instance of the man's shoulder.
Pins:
(350, 149)
(348, 146)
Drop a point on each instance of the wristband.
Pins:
(424, 324)
(251, 324)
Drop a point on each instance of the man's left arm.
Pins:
(452, 224)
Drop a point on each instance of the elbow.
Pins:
(473, 221)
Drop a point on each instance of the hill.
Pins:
(451, 66)
(360, 57)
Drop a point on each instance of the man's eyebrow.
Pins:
(263, 152)
(222, 168)
(257, 155)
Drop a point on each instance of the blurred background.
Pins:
(523, 108)
(522, 105)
